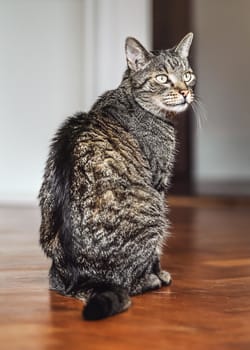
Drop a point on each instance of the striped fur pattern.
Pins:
(102, 199)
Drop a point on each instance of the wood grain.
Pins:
(207, 306)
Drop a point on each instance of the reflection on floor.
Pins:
(207, 306)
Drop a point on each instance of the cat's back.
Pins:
(105, 151)
(91, 147)
(89, 154)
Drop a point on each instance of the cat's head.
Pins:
(161, 81)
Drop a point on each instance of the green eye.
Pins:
(162, 78)
(187, 77)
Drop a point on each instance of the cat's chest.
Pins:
(157, 143)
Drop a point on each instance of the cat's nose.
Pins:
(184, 93)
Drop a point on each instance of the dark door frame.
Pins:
(171, 21)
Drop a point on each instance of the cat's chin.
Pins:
(177, 108)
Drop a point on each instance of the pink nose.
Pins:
(184, 92)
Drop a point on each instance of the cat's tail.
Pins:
(105, 301)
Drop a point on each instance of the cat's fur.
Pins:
(102, 199)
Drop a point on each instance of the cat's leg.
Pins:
(163, 275)
(152, 280)
(55, 280)
(148, 282)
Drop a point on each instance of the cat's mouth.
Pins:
(179, 104)
(173, 107)
(177, 107)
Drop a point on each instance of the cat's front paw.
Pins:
(165, 277)
(150, 282)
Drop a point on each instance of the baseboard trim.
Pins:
(223, 187)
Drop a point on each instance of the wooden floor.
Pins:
(207, 306)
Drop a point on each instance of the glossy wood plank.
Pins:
(207, 306)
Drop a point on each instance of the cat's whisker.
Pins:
(199, 112)
(200, 103)
(197, 116)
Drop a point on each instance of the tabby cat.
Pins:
(102, 198)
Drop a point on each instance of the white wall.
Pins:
(222, 34)
(56, 57)
(106, 24)
(40, 62)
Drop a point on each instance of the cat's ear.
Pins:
(184, 45)
(137, 55)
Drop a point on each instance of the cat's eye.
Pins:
(161, 78)
(188, 77)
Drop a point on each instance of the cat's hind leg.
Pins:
(56, 281)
